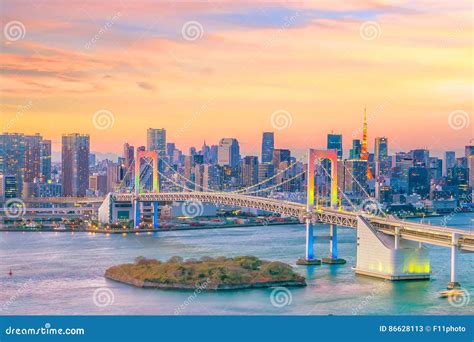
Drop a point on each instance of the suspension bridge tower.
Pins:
(309, 259)
(153, 155)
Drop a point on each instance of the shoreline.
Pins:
(133, 231)
(220, 287)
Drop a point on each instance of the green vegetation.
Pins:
(209, 273)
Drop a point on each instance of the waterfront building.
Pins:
(75, 164)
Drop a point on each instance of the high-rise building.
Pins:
(32, 158)
(381, 149)
(45, 160)
(213, 154)
(228, 152)
(471, 175)
(436, 168)
(469, 151)
(249, 170)
(12, 158)
(8, 187)
(280, 155)
(92, 160)
(75, 164)
(170, 148)
(334, 142)
(418, 181)
(268, 144)
(98, 184)
(421, 157)
(449, 161)
(156, 141)
(265, 171)
(128, 155)
(355, 176)
(113, 177)
(381, 159)
(355, 151)
(205, 152)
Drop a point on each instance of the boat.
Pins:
(451, 293)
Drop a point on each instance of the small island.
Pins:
(243, 272)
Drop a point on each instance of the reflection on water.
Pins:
(58, 273)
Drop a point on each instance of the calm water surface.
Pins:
(58, 274)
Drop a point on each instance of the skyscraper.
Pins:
(382, 162)
(228, 152)
(355, 150)
(280, 155)
(45, 160)
(334, 142)
(418, 181)
(381, 149)
(471, 175)
(156, 141)
(449, 161)
(75, 164)
(268, 144)
(421, 157)
(354, 176)
(469, 151)
(249, 170)
(128, 155)
(32, 157)
(12, 158)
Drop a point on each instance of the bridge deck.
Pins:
(425, 233)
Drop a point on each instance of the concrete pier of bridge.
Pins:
(453, 283)
(389, 257)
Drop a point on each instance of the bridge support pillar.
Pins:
(377, 255)
(309, 259)
(136, 214)
(453, 284)
(155, 215)
(333, 259)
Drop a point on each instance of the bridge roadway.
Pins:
(424, 233)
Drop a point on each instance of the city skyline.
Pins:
(255, 150)
(238, 65)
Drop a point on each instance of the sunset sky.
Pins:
(220, 68)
